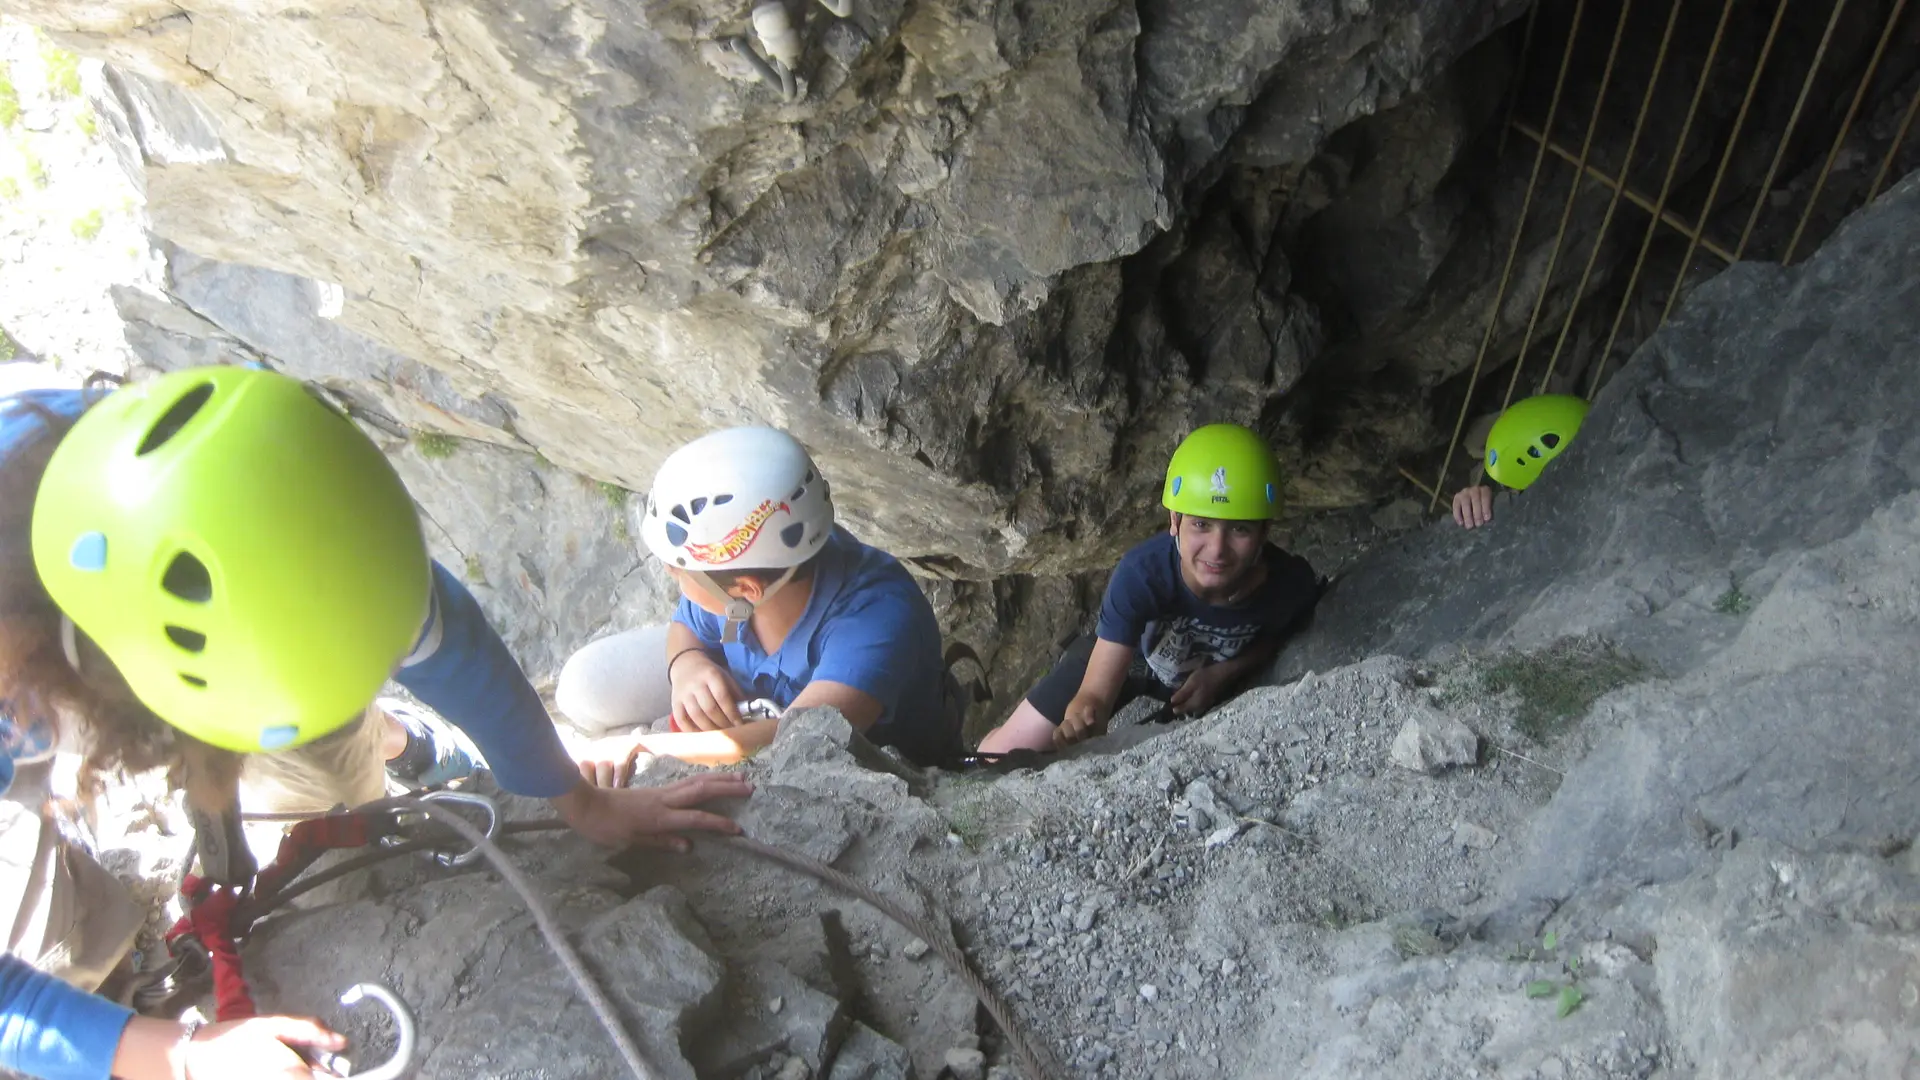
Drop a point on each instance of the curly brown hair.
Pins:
(89, 699)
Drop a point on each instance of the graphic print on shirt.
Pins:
(735, 543)
(1180, 645)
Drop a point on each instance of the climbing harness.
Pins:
(223, 905)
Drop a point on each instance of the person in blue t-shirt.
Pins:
(218, 563)
(1188, 615)
(777, 605)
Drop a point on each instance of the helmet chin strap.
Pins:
(738, 609)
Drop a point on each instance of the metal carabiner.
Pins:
(405, 1037)
(464, 798)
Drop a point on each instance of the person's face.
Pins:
(1217, 556)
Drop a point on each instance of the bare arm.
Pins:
(1090, 709)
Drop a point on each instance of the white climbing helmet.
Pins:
(746, 498)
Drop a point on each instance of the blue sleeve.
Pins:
(50, 1030)
(469, 677)
(870, 644)
(705, 625)
(1131, 600)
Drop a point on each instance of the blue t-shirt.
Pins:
(460, 667)
(1149, 607)
(868, 626)
(51, 1030)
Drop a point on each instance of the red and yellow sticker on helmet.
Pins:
(736, 543)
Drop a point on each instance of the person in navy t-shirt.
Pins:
(778, 605)
(1188, 615)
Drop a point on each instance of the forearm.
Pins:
(724, 747)
(150, 1050)
(681, 638)
(1254, 658)
(1106, 673)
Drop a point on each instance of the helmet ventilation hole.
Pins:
(193, 681)
(191, 640)
(792, 534)
(722, 500)
(1533, 451)
(681, 513)
(675, 534)
(698, 504)
(1549, 440)
(187, 578)
(797, 492)
(175, 418)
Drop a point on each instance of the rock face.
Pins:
(1707, 873)
(594, 231)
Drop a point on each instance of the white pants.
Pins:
(617, 682)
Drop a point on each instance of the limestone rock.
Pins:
(1432, 741)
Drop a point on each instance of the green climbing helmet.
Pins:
(1223, 471)
(1530, 434)
(245, 556)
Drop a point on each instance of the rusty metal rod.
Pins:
(1860, 95)
(1666, 188)
(1573, 194)
(1733, 143)
(1894, 150)
(1793, 121)
(1667, 217)
(1513, 253)
(1613, 204)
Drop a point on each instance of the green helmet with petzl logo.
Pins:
(1223, 471)
(245, 556)
(1530, 434)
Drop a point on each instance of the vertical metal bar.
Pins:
(1733, 143)
(1573, 193)
(1894, 150)
(1793, 121)
(1866, 82)
(1513, 252)
(1613, 204)
(1660, 202)
(1519, 76)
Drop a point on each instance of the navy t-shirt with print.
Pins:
(1148, 607)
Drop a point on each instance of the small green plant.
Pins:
(1557, 684)
(36, 169)
(87, 225)
(9, 100)
(475, 572)
(1566, 990)
(7, 350)
(87, 121)
(63, 71)
(620, 530)
(615, 495)
(435, 445)
(1734, 601)
(9, 189)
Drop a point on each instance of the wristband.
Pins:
(675, 658)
